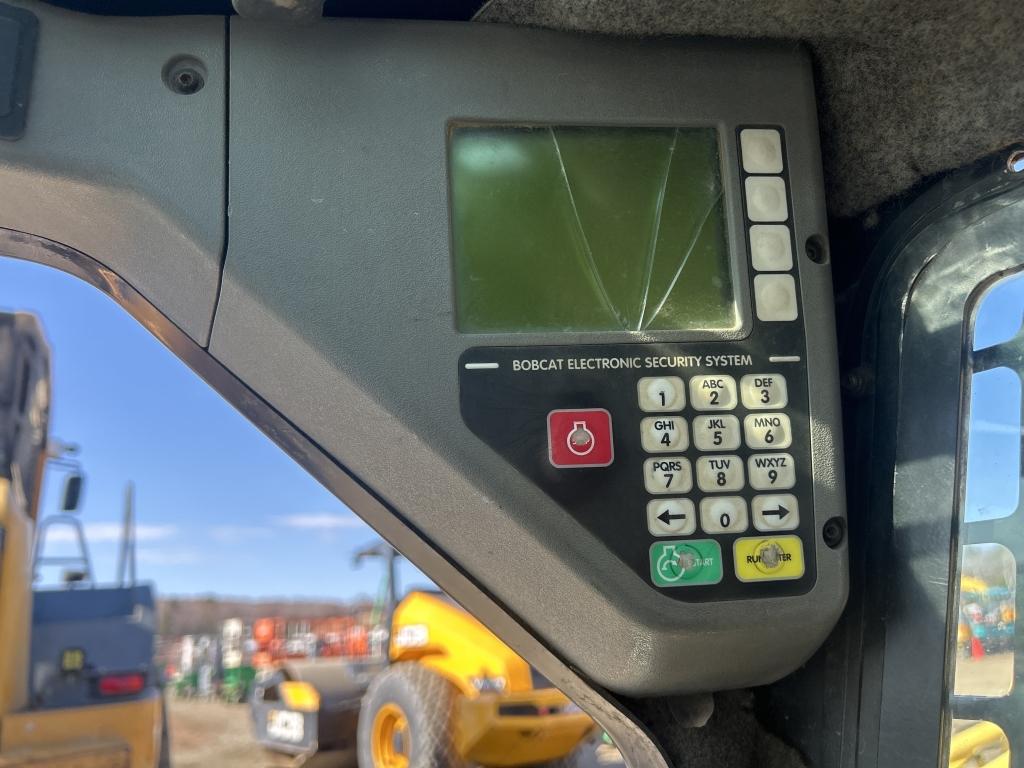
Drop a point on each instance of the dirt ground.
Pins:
(987, 676)
(212, 734)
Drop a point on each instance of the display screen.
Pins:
(589, 229)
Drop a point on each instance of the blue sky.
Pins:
(219, 507)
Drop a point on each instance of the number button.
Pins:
(713, 393)
(771, 471)
(662, 393)
(671, 517)
(777, 512)
(659, 434)
(720, 473)
(764, 391)
(716, 433)
(723, 514)
(767, 430)
(671, 474)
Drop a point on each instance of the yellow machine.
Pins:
(122, 729)
(455, 694)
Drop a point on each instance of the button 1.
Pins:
(762, 150)
(671, 474)
(771, 471)
(716, 433)
(659, 434)
(580, 438)
(767, 430)
(661, 393)
(723, 514)
(720, 473)
(713, 393)
(776, 512)
(775, 298)
(771, 558)
(764, 391)
(771, 248)
(766, 199)
(686, 563)
(671, 517)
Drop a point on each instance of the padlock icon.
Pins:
(580, 440)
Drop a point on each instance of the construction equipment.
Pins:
(77, 682)
(236, 670)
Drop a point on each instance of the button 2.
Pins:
(713, 393)
(659, 434)
(671, 517)
(671, 474)
(661, 393)
(580, 438)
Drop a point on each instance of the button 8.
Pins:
(720, 473)
(713, 393)
(661, 393)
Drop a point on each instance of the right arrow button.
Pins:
(775, 512)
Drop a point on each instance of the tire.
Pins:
(426, 700)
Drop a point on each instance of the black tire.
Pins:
(427, 700)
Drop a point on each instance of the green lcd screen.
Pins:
(589, 229)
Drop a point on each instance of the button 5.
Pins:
(713, 393)
(580, 438)
(671, 474)
(720, 473)
(671, 517)
(716, 433)
(661, 393)
(660, 434)
(764, 391)
(771, 471)
(767, 430)
(771, 558)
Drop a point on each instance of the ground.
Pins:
(212, 734)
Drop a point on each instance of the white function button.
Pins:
(771, 248)
(671, 517)
(771, 471)
(659, 434)
(766, 199)
(716, 433)
(764, 391)
(713, 393)
(723, 514)
(767, 430)
(671, 474)
(762, 150)
(775, 298)
(776, 512)
(720, 473)
(661, 393)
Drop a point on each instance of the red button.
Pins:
(580, 438)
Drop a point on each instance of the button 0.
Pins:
(775, 298)
(661, 393)
(771, 248)
(771, 558)
(761, 149)
(659, 434)
(766, 199)
(686, 563)
(767, 430)
(776, 512)
(764, 391)
(580, 438)
(723, 514)
(713, 393)
(671, 474)
(771, 471)
(716, 433)
(671, 517)
(720, 473)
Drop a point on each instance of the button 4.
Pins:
(671, 517)
(723, 514)
(659, 434)
(661, 393)
(720, 473)
(767, 430)
(716, 433)
(686, 563)
(772, 558)
(713, 393)
(764, 391)
(776, 512)
(580, 438)
(671, 474)
(771, 471)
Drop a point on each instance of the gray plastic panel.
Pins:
(336, 307)
(116, 165)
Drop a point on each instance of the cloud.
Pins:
(101, 533)
(320, 521)
(226, 534)
(152, 556)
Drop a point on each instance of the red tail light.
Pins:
(121, 685)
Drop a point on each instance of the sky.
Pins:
(219, 508)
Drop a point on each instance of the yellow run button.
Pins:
(769, 558)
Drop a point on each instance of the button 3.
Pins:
(671, 474)
(671, 517)
(764, 391)
(713, 393)
(720, 473)
(659, 434)
(661, 393)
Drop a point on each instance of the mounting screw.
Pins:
(1015, 162)
(833, 532)
(184, 75)
(858, 382)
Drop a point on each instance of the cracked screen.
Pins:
(589, 229)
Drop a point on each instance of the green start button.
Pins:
(686, 563)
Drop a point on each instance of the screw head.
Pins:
(833, 532)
